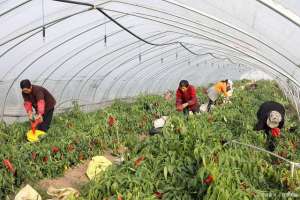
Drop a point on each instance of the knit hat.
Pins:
(274, 119)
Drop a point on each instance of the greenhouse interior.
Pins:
(149, 99)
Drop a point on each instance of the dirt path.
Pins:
(74, 177)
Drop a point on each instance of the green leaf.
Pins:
(170, 169)
(166, 172)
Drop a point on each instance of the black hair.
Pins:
(228, 86)
(183, 83)
(225, 81)
(25, 84)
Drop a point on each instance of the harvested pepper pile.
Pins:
(191, 159)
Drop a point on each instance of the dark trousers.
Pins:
(47, 118)
(186, 111)
(271, 141)
(210, 103)
(155, 131)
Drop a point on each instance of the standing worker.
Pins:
(186, 99)
(222, 87)
(270, 118)
(41, 100)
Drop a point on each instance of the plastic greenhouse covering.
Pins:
(92, 52)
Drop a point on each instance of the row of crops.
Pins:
(192, 159)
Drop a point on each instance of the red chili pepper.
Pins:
(34, 124)
(120, 197)
(158, 195)
(208, 180)
(81, 156)
(45, 159)
(55, 149)
(139, 161)
(275, 132)
(33, 155)
(70, 147)
(111, 121)
(8, 166)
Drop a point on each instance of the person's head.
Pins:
(168, 95)
(274, 119)
(228, 84)
(183, 85)
(225, 81)
(26, 86)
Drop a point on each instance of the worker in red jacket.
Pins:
(186, 99)
(41, 100)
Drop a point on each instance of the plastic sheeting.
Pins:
(96, 51)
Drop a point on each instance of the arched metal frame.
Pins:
(253, 58)
(111, 60)
(139, 78)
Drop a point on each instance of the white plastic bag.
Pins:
(159, 123)
(97, 165)
(28, 193)
(62, 193)
(203, 107)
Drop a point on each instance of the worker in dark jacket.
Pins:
(158, 125)
(41, 100)
(270, 119)
(186, 99)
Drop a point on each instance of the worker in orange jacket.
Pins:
(216, 90)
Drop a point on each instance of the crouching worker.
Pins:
(229, 92)
(270, 118)
(186, 99)
(41, 100)
(213, 93)
(168, 95)
(158, 125)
